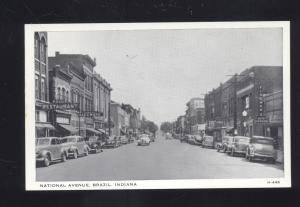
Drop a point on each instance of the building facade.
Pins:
(238, 105)
(60, 92)
(81, 88)
(101, 97)
(43, 127)
(195, 115)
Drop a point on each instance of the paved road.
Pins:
(163, 159)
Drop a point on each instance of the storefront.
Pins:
(43, 128)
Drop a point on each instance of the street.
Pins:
(163, 159)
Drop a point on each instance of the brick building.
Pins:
(60, 92)
(194, 113)
(239, 103)
(81, 87)
(43, 127)
(102, 94)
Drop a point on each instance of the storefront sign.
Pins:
(261, 119)
(91, 114)
(59, 106)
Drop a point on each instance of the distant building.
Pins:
(102, 94)
(120, 119)
(195, 114)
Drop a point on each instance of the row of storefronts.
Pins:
(71, 98)
(248, 104)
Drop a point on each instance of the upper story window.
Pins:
(37, 87)
(36, 45)
(43, 89)
(58, 94)
(43, 50)
(67, 96)
(63, 94)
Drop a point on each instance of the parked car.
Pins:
(224, 145)
(208, 141)
(111, 142)
(152, 138)
(198, 139)
(143, 140)
(184, 138)
(123, 139)
(49, 149)
(95, 144)
(238, 145)
(130, 139)
(261, 148)
(190, 139)
(77, 146)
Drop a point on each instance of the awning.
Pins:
(69, 128)
(101, 130)
(93, 130)
(44, 125)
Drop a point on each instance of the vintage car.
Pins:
(95, 144)
(152, 137)
(261, 148)
(169, 135)
(223, 146)
(112, 142)
(239, 145)
(191, 139)
(208, 141)
(49, 149)
(123, 140)
(76, 146)
(198, 139)
(143, 140)
(184, 138)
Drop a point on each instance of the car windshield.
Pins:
(242, 140)
(209, 138)
(262, 141)
(72, 139)
(41, 142)
(93, 139)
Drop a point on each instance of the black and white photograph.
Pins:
(157, 105)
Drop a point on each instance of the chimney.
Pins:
(56, 53)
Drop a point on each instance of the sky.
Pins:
(159, 71)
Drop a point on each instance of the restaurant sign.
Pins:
(59, 106)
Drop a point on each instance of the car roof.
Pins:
(75, 136)
(242, 137)
(48, 137)
(262, 137)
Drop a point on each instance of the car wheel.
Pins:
(86, 153)
(272, 161)
(232, 153)
(63, 157)
(75, 154)
(47, 161)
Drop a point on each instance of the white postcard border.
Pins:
(30, 171)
